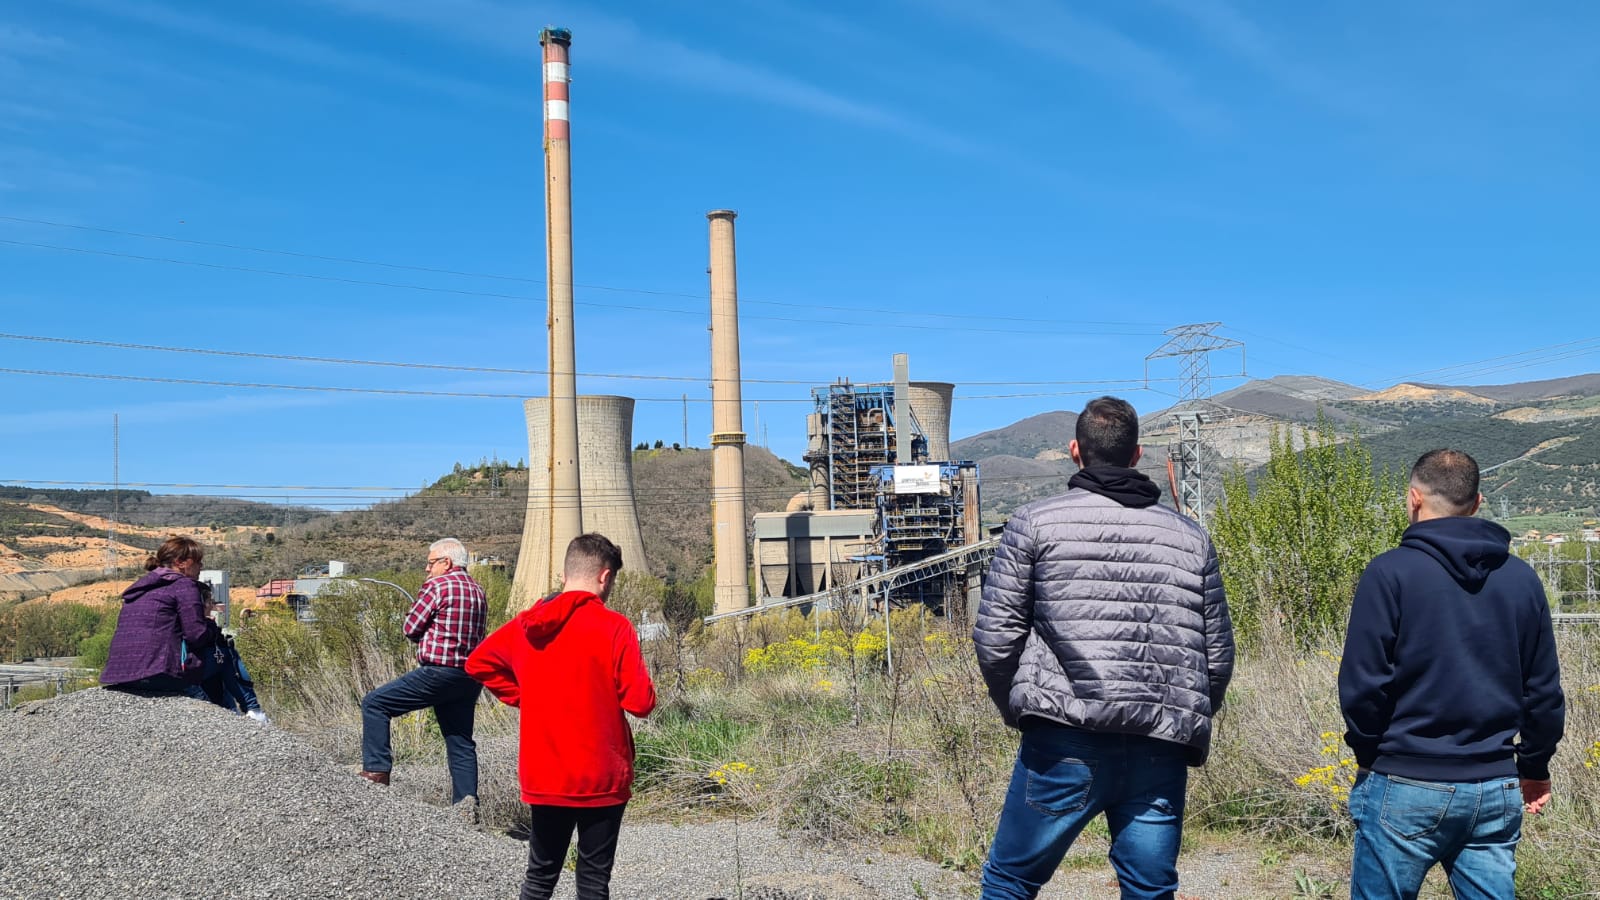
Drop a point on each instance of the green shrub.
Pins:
(42, 629)
(359, 628)
(285, 660)
(95, 648)
(679, 746)
(1293, 547)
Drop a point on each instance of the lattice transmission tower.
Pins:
(1196, 482)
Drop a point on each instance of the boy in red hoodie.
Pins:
(572, 667)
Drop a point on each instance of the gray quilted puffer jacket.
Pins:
(1107, 618)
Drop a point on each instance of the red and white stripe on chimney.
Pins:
(556, 41)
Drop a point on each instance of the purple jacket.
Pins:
(158, 611)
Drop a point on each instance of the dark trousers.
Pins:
(231, 688)
(453, 694)
(597, 828)
(162, 684)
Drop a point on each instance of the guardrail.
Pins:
(1568, 620)
(14, 678)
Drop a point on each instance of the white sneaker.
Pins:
(259, 716)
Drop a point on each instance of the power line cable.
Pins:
(526, 280)
(1491, 365)
(1262, 337)
(287, 357)
(474, 395)
(530, 298)
(1513, 361)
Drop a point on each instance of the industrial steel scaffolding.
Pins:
(861, 460)
(916, 524)
(858, 428)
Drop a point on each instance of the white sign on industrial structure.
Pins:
(916, 480)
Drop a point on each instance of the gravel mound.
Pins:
(109, 794)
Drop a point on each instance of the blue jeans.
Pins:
(453, 694)
(240, 690)
(232, 689)
(1404, 826)
(1063, 778)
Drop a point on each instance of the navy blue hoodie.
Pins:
(1449, 669)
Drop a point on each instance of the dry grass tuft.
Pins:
(802, 724)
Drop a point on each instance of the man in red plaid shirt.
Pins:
(447, 622)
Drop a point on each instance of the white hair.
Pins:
(451, 549)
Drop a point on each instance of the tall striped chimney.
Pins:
(727, 423)
(565, 501)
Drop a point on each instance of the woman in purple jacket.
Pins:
(161, 625)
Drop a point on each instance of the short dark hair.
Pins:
(589, 553)
(1108, 432)
(1451, 476)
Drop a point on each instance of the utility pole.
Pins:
(116, 494)
(686, 421)
(1192, 345)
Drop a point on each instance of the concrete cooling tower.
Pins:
(930, 403)
(605, 465)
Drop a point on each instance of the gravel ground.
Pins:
(106, 794)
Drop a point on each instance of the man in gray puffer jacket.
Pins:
(1104, 636)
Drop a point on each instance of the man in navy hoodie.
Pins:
(1451, 694)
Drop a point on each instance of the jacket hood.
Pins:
(548, 616)
(1468, 548)
(1129, 487)
(153, 579)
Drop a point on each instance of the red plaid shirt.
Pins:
(448, 620)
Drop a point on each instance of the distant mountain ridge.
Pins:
(482, 505)
(1024, 438)
(1539, 443)
(1526, 391)
(1296, 397)
(1028, 460)
(1544, 434)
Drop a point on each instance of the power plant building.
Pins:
(882, 494)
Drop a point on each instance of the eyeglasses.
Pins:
(438, 559)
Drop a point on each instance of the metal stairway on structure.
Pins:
(964, 557)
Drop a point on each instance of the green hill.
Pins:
(484, 506)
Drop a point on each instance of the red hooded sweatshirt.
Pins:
(571, 667)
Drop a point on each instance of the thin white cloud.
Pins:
(43, 172)
(11, 111)
(1241, 36)
(296, 49)
(617, 43)
(1051, 31)
(18, 41)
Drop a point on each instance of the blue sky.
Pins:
(1021, 196)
